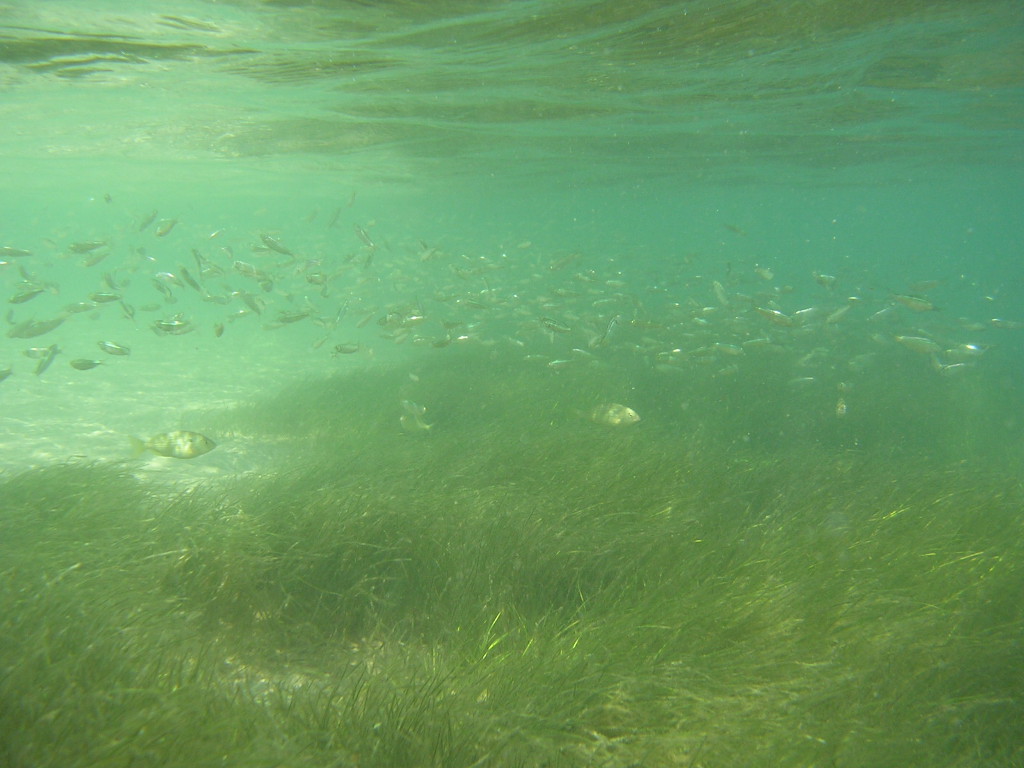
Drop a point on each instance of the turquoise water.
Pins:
(823, 131)
(681, 144)
(416, 251)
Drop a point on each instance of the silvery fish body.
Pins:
(614, 415)
(179, 444)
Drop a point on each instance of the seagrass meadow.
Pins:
(490, 384)
(519, 586)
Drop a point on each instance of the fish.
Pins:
(175, 326)
(165, 226)
(554, 325)
(5, 372)
(564, 261)
(9, 252)
(914, 303)
(777, 317)
(104, 297)
(999, 322)
(192, 283)
(949, 369)
(837, 315)
(802, 316)
(919, 344)
(111, 282)
(114, 349)
(728, 349)
(255, 303)
(26, 293)
(614, 415)
(603, 338)
(180, 444)
(149, 219)
(363, 235)
(275, 245)
(206, 267)
(828, 282)
(32, 328)
(44, 362)
(167, 278)
(964, 352)
(85, 246)
(285, 317)
(924, 286)
(245, 269)
(162, 287)
(412, 420)
(720, 294)
(93, 258)
(83, 364)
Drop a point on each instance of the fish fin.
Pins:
(138, 446)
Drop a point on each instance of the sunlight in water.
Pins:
(470, 384)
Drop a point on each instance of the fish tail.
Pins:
(138, 446)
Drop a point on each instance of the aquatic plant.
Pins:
(517, 586)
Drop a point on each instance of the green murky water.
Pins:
(591, 383)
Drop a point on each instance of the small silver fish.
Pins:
(165, 226)
(94, 258)
(554, 325)
(44, 362)
(85, 246)
(149, 219)
(192, 283)
(104, 297)
(275, 245)
(13, 253)
(179, 444)
(26, 293)
(614, 415)
(29, 329)
(914, 303)
(113, 349)
(168, 278)
(175, 326)
(919, 344)
(412, 420)
(285, 317)
(363, 235)
(84, 364)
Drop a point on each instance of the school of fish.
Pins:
(355, 285)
